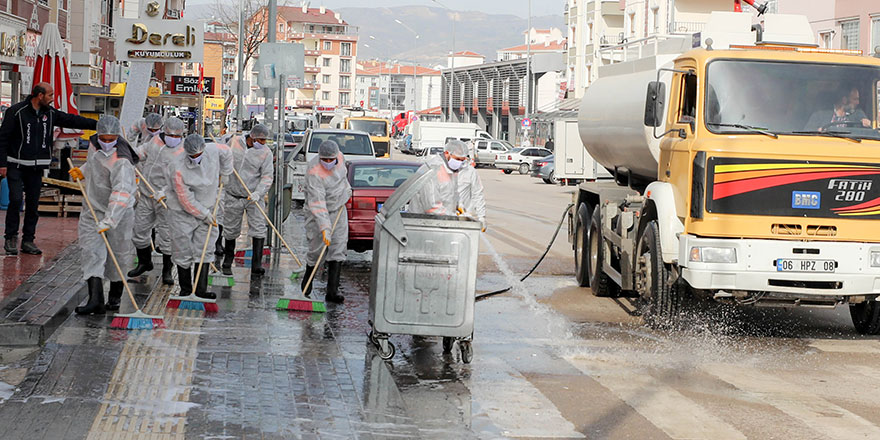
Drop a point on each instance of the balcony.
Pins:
(311, 85)
(686, 27)
(228, 56)
(306, 103)
(312, 69)
(611, 8)
(104, 31)
(313, 53)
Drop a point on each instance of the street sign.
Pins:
(526, 123)
(294, 82)
(277, 59)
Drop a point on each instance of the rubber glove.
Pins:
(103, 226)
(209, 220)
(459, 210)
(76, 174)
(483, 222)
(224, 179)
(326, 237)
(160, 195)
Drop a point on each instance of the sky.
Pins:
(514, 7)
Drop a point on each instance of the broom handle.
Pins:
(150, 187)
(318, 263)
(208, 236)
(107, 243)
(267, 217)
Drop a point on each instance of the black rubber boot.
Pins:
(218, 245)
(167, 267)
(96, 298)
(306, 275)
(202, 285)
(185, 278)
(333, 270)
(114, 296)
(228, 257)
(257, 258)
(11, 246)
(145, 262)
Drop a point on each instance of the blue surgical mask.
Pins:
(328, 165)
(258, 145)
(154, 132)
(196, 160)
(106, 146)
(454, 164)
(172, 141)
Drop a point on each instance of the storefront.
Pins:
(12, 58)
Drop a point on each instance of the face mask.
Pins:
(258, 145)
(454, 164)
(172, 141)
(153, 132)
(328, 165)
(196, 160)
(107, 146)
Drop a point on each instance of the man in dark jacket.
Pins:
(26, 137)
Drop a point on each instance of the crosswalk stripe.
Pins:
(820, 415)
(676, 415)
(514, 404)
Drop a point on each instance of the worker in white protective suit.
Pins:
(145, 129)
(327, 191)
(110, 186)
(155, 157)
(253, 161)
(456, 188)
(192, 188)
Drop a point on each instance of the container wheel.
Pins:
(373, 339)
(386, 349)
(653, 280)
(447, 345)
(581, 258)
(524, 168)
(866, 317)
(600, 282)
(467, 351)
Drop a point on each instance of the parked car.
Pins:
(354, 145)
(545, 169)
(487, 149)
(372, 182)
(428, 152)
(519, 159)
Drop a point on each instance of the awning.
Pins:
(116, 90)
(175, 100)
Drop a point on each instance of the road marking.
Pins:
(514, 404)
(676, 415)
(846, 346)
(817, 413)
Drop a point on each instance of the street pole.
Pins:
(529, 63)
(278, 184)
(451, 81)
(242, 111)
(271, 29)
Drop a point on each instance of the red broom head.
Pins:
(173, 304)
(212, 308)
(119, 322)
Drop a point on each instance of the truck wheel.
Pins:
(866, 317)
(507, 171)
(653, 279)
(524, 168)
(581, 257)
(600, 283)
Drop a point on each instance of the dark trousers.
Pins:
(23, 181)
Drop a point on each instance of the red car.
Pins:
(372, 182)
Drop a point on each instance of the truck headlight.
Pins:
(875, 259)
(708, 254)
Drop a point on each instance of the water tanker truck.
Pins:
(746, 166)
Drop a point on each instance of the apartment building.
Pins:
(852, 24)
(592, 25)
(536, 41)
(395, 88)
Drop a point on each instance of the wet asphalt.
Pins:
(550, 361)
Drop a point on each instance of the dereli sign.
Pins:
(154, 39)
(189, 85)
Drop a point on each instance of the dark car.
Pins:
(372, 182)
(545, 169)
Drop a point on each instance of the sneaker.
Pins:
(11, 246)
(29, 247)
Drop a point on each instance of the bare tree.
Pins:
(256, 16)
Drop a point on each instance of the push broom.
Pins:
(138, 319)
(193, 302)
(294, 275)
(301, 303)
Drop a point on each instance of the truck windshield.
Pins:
(374, 128)
(792, 98)
(349, 143)
(297, 124)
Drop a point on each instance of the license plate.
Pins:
(797, 265)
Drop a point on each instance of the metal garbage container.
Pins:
(424, 273)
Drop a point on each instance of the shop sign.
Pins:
(153, 92)
(11, 44)
(189, 85)
(214, 103)
(155, 39)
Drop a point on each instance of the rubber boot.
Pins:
(228, 257)
(114, 296)
(202, 285)
(185, 277)
(167, 267)
(218, 245)
(333, 270)
(306, 275)
(145, 262)
(257, 258)
(96, 298)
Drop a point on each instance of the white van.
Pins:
(434, 134)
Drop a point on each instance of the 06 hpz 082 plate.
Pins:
(799, 265)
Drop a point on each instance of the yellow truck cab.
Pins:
(379, 130)
(748, 174)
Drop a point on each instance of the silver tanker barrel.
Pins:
(424, 273)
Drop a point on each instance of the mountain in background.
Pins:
(474, 31)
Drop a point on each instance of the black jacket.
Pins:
(26, 135)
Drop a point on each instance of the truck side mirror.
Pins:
(654, 104)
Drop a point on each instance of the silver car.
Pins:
(487, 149)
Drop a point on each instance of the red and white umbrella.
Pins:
(51, 67)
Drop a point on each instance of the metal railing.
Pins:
(104, 31)
(686, 27)
(633, 49)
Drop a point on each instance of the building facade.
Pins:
(592, 25)
(393, 88)
(536, 41)
(852, 24)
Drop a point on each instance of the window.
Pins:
(344, 98)
(325, 96)
(325, 79)
(849, 34)
(482, 145)
(345, 66)
(688, 110)
(344, 82)
(381, 176)
(655, 18)
(346, 49)
(326, 62)
(632, 23)
(328, 45)
(875, 34)
(825, 39)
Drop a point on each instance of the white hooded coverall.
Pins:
(257, 170)
(449, 190)
(155, 159)
(327, 192)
